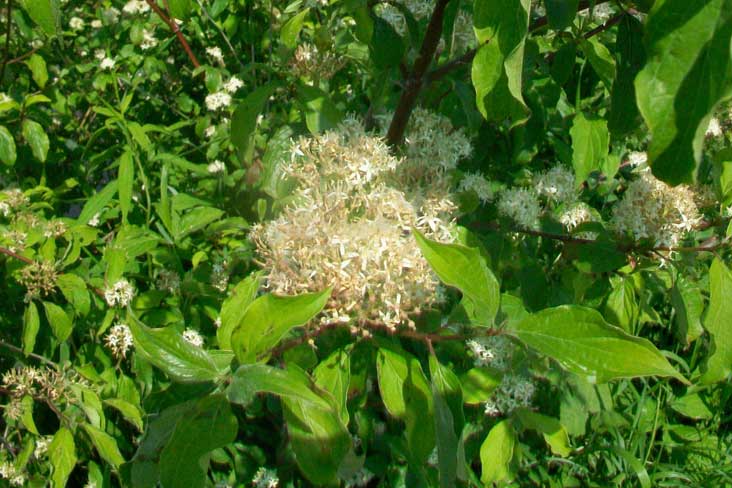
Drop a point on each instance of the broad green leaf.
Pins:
(718, 322)
(478, 385)
(590, 141)
(447, 398)
(291, 30)
(60, 322)
(496, 453)
(554, 433)
(321, 113)
(62, 455)
(184, 459)
(501, 27)
(465, 269)
(105, 445)
(723, 175)
(244, 121)
(692, 406)
(386, 47)
(45, 13)
(97, 202)
(688, 304)
(195, 220)
(8, 152)
(333, 374)
(31, 325)
(74, 290)
(600, 59)
(125, 180)
(37, 65)
(689, 71)
(291, 383)
(631, 56)
(130, 412)
(26, 418)
(561, 13)
(166, 349)
(180, 9)
(36, 138)
(622, 308)
(580, 340)
(269, 318)
(407, 396)
(235, 306)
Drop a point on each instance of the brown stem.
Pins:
(8, 27)
(174, 27)
(413, 83)
(19, 351)
(10, 253)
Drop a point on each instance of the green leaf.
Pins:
(498, 65)
(244, 121)
(590, 141)
(554, 433)
(125, 179)
(166, 349)
(62, 455)
(580, 340)
(386, 47)
(321, 113)
(561, 13)
(59, 320)
(8, 152)
(105, 445)
(689, 71)
(45, 13)
(37, 65)
(269, 318)
(130, 412)
(407, 396)
(449, 421)
(600, 59)
(291, 30)
(478, 385)
(692, 406)
(27, 417)
(31, 324)
(631, 56)
(622, 308)
(185, 458)
(97, 202)
(291, 383)
(465, 269)
(74, 290)
(36, 138)
(496, 453)
(195, 220)
(235, 306)
(718, 322)
(180, 9)
(688, 304)
(333, 374)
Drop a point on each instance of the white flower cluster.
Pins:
(9, 472)
(577, 214)
(133, 7)
(107, 63)
(218, 100)
(193, 337)
(652, 210)
(360, 479)
(520, 205)
(233, 84)
(168, 281)
(11, 200)
(120, 293)
(119, 340)
(265, 478)
(215, 53)
(493, 351)
(556, 185)
(41, 446)
(637, 158)
(479, 184)
(220, 276)
(309, 62)
(431, 140)
(714, 129)
(515, 390)
(76, 23)
(349, 228)
(149, 40)
(216, 167)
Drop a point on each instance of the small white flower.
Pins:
(637, 158)
(233, 84)
(100, 54)
(148, 40)
(557, 185)
(96, 24)
(209, 131)
(520, 205)
(193, 337)
(41, 446)
(4, 209)
(265, 478)
(121, 293)
(218, 100)
(136, 7)
(76, 23)
(215, 53)
(107, 63)
(216, 167)
(478, 184)
(217, 322)
(715, 128)
(94, 221)
(119, 340)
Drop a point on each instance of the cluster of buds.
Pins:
(45, 384)
(311, 63)
(39, 279)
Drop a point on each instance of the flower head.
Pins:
(120, 293)
(478, 184)
(119, 340)
(218, 100)
(557, 185)
(233, 84)
(193, 337)
(76, 23)
(520, 205)
(216, 167)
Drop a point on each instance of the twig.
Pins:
(174, 27)
(37, 357)
(10, 253)
(8, 28)
(413, 83)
